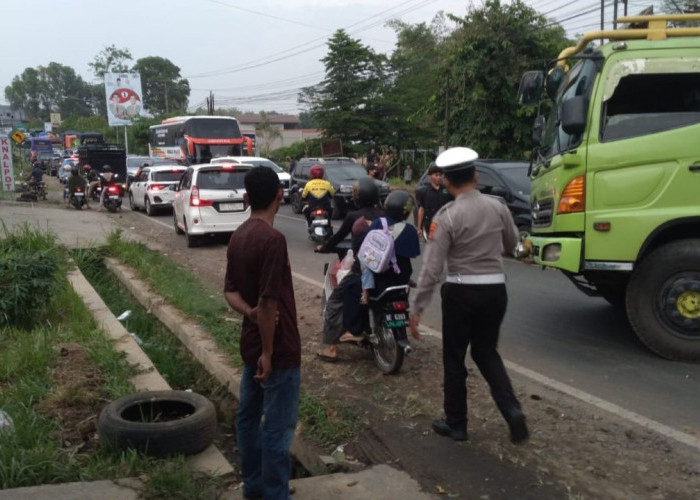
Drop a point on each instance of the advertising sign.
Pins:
(124, 97)
(56, 119)
(8, 174)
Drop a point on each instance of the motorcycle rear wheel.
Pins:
(388, 354)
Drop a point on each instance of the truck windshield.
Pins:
(578, 82)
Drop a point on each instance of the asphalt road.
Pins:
(550, 328)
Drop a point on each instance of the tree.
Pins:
(165, 92)
(345, 103)
(47, 89)
(484, 60)
(110, 60)
(268, 133)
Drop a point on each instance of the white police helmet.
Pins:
(455, 159)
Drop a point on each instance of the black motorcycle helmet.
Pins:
(74, 170)
(398, 205)
(106, 168)
(365, 193)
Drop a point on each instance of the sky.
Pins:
(251, 55)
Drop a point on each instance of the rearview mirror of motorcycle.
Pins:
(530, 88)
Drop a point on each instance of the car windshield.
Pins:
(517, 178)
(341, 173)
(220, 179)
(168, 176)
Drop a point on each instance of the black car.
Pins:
(506, 179)
(342, 173)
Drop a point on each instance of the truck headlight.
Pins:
(551, 252)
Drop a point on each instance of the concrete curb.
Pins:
(211, 461)
(205, 349)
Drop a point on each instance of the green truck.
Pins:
(615, 189)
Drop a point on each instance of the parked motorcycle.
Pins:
(319, 225)
(77, 199)
(386, 321)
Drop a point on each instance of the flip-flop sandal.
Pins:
(350, 338)
(326, 357)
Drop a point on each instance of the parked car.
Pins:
(507, 180)
(209, 200)
(257, 161)
(154, 189)
(342, 173)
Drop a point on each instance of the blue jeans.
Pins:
(264, 443)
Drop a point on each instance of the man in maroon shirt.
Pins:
(259, 286)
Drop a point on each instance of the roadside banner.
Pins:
(124, 97)
(56, 119)
(8, 174)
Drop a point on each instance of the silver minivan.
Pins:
(209, 200)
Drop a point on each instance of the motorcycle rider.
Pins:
(343, 313)
(36, 175)
(317, 193)
(74, 181)
(398, 206)
(104, 179)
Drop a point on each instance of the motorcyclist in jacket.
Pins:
(104, 178)
(74, 181)
(317, 193)
(36, 175)
(343, 312)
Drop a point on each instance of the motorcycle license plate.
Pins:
(114, 197)
(78, 195)
(395, 320)
(230, 207)
(319, 221)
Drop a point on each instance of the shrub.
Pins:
(29, 265)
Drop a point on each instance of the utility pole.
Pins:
(447, 109)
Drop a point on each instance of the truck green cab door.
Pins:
(643, 150)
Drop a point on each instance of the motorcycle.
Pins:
(113, 196)
(319, 225)
(77, 199)
(32, 191)
(386, 320)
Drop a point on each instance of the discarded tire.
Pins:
(159, 423)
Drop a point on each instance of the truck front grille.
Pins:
(542, 212)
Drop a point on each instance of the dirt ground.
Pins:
(575, 450)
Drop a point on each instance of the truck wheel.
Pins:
(159, 423)
(663, 300)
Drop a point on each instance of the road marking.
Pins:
(587, 398)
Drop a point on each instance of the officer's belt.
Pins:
(476, 279)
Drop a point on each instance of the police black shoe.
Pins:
(444, 429)
(517, 426)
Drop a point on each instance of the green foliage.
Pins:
(29, 270)
(165, 92)
(480, 72)
(328, 425)
(110, 60)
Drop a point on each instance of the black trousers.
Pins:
(472, 315)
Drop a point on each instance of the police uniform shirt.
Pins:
(471, 234)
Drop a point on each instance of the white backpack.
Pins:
(377, 250)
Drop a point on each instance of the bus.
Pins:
(197, 139)
(38, 148)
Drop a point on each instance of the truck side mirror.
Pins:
(538, 129)
(553, 81)
(530, 88)
(574, 113)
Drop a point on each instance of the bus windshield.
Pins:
(213, 129)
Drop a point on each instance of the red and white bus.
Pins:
(197, 139)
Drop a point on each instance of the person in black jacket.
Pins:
(343, 305)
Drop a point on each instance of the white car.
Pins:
(209, 199)
(257, 161)
(155, 188)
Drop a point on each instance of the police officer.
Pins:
(471, 234)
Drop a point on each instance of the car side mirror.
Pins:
(574, 115)
(502, 192)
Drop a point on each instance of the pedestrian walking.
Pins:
(258, 285)
(471, 234)
(408, 175)
(431, 199)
